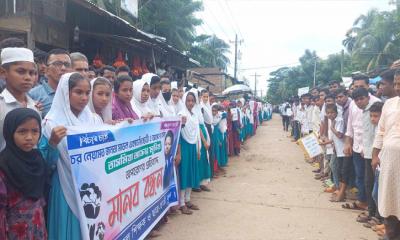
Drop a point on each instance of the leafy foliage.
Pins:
(210, 51)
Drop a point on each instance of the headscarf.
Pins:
(60, 114)
(140, 108)
(217, 118)
(167, 109)
(26, 171)
(191, 130)
(121, 110)
(153, 104)
(179, 105)
(196, 109)
(106, 113)
(207, 112)
(148, 77)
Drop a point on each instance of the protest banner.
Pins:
(124, 176)
(301, 91)
(310, 145)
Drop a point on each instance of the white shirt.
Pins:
(8, 103)
(337, 142)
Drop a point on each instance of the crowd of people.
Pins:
(359, 131)
(42, 96)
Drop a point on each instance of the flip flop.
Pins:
(352, 206)
(363, 219)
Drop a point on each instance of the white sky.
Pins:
(277, 32)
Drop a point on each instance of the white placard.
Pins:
(311, 145)
(302, 91)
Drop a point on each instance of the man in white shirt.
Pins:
(18, 67)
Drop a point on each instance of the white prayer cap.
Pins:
(14, 54)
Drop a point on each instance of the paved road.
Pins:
(268, 193)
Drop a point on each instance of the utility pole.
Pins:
(255, 83)
(341, 63)
(236, 55)
(315, 69)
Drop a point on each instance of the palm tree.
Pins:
(211, 51)
(172, 19)
(374, 39)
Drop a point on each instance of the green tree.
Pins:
(374, 40)
(210, 51)
(173, 19)
(285, 82)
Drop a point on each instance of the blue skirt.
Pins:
(188, 168)
(62, 224)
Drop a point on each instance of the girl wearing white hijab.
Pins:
(175, 101)
(218, 146)
(190, 153)
(139, 102)
(100, 99)
(155, 87)
(204, 163)
(167, 110)
(69, 108)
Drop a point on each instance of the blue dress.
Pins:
(62, 224)
(188, 168)
(204, 164)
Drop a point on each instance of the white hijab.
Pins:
(106, 114)
(217, 118)
(138, 107)
(208, 117)
(197, 109)
(153, 104)
(179, 105)
(191, 131)
(166, 108)
(60, 114)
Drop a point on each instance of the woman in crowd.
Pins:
(141, 95)
(218, 147)
(204, 163)
(167, 110)
(176, 101)
(189, 145)
(69, 108)
(121, 105)
(100, 99)
(22, 178)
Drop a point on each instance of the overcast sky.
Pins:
(277, 32)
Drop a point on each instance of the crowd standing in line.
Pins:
(359, 131)
(44, 93)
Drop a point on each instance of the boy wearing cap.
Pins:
(19, 69)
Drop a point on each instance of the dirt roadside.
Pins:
(268, 193)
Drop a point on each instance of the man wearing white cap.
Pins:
(19, 70)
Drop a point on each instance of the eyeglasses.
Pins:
(59, 64)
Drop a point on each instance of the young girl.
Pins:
(121, 106)
(176, 101)
(223, 127)
(204, 163)
(100, 98)
(217, 138)
(189, 145)
(69, 108)
(141, 95)
(22, 178)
